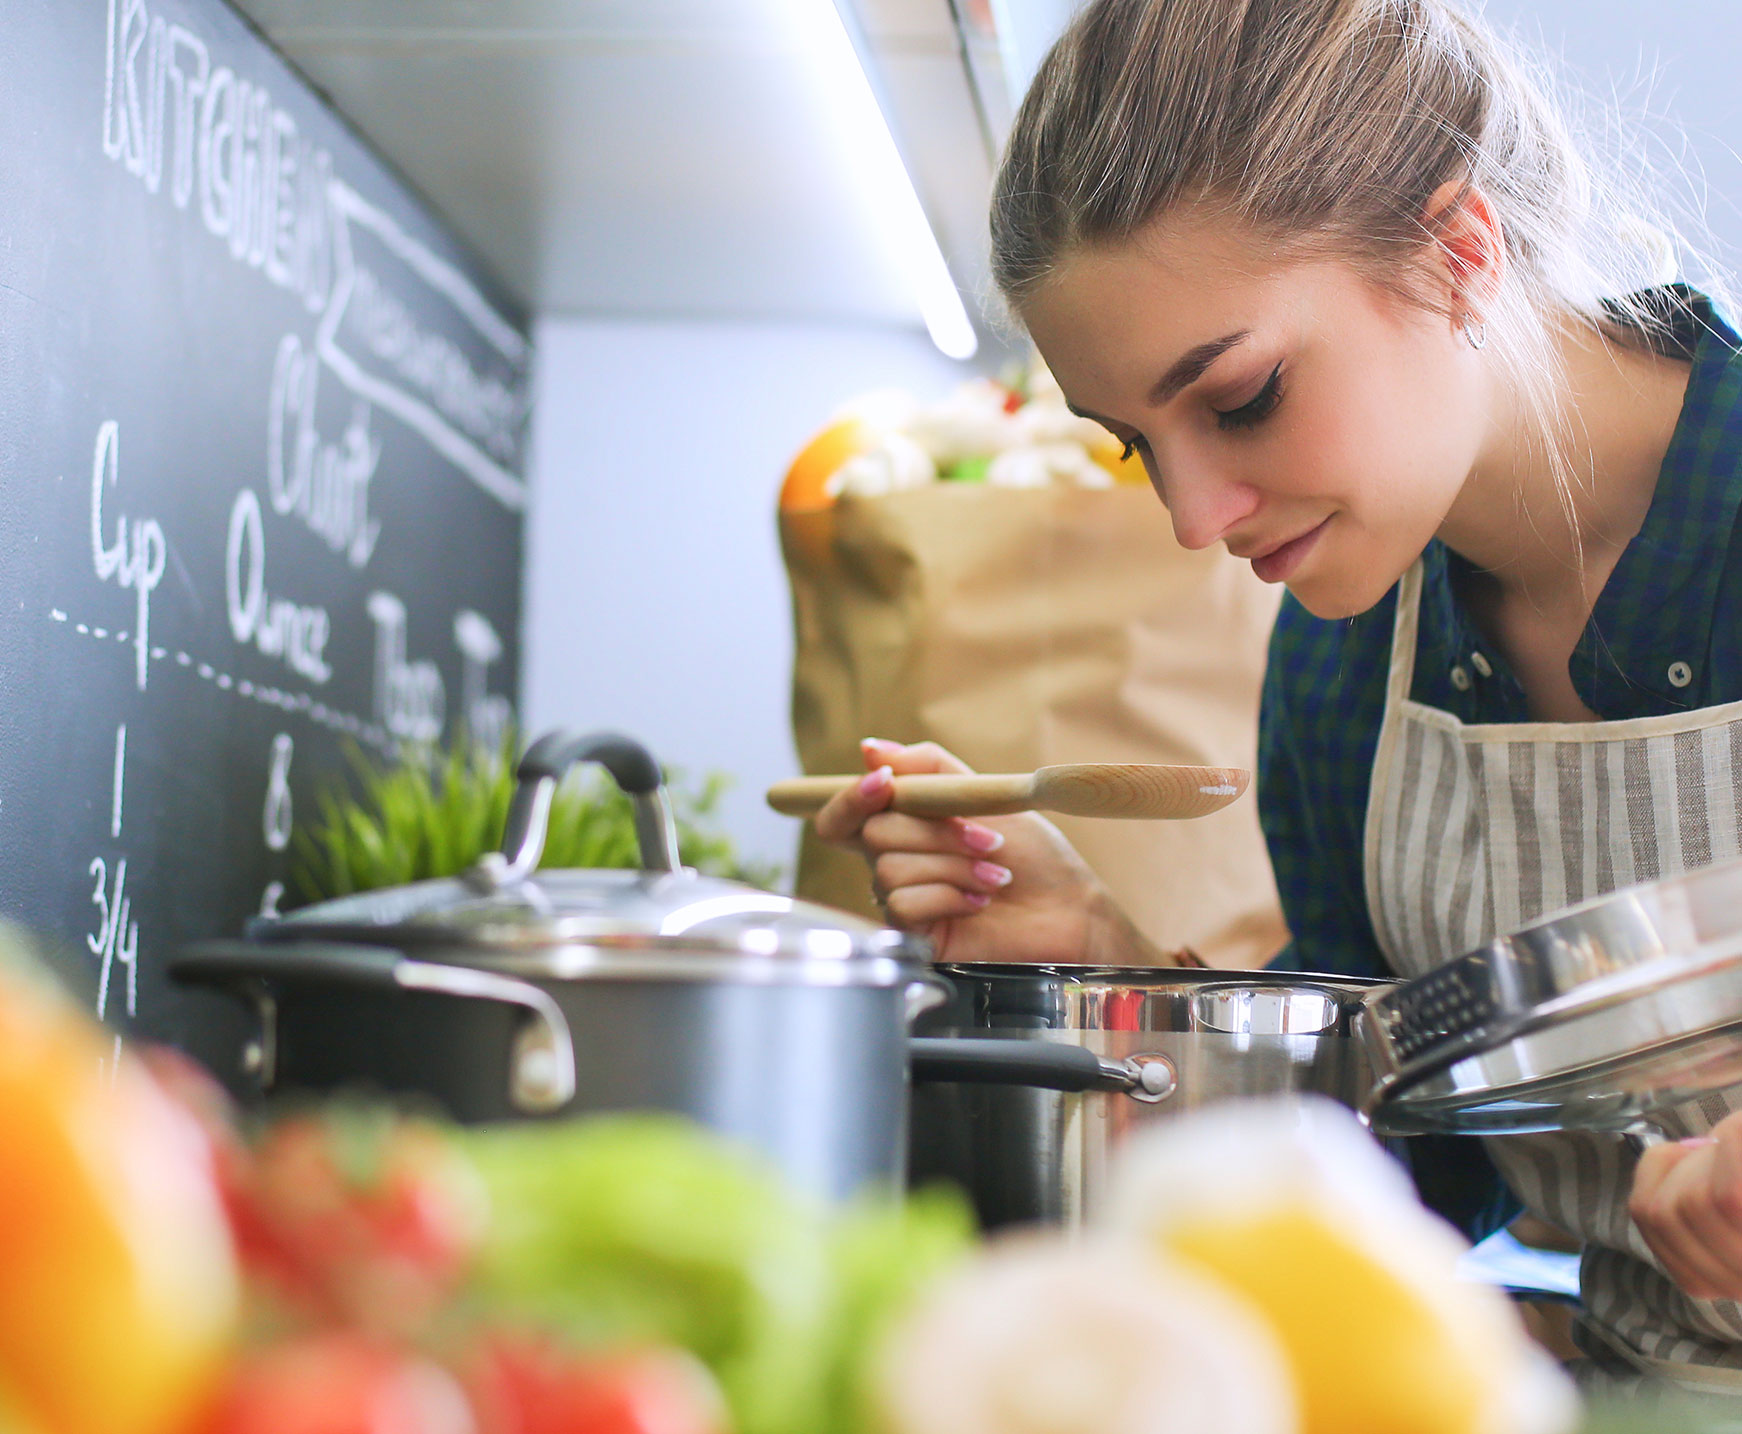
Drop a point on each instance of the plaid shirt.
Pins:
(1665, 636)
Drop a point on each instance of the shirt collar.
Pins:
(1647, 641)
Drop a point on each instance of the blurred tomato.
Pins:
(117, 1280)
(338, 1383)
(526, 1385)
(358, 1218)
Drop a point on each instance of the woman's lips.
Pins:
(1279, 564)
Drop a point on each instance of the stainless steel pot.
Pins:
(516, 993)
(1199, 1036)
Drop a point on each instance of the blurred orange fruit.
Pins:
(806, 485)
(1124, 470)
(117, 1281)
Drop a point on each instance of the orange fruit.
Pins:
(1124, 470)
(806, 485)
(117, 1280)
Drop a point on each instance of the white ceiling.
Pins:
(662, 157)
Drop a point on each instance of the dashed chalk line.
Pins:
(328, 717)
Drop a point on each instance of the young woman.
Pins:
(1337, 271)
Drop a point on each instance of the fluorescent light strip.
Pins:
(879, 162)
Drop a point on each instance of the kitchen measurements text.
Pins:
(114, 940)
(135, 559)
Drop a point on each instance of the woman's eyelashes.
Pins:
(1257, 409)
(1248, 415)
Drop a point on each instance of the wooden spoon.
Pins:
(1077, 789)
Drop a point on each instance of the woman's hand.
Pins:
(1687, 1202)
(998, 889)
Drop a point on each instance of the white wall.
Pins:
(1676, 59)
(656, 600)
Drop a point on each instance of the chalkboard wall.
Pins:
(261, 429)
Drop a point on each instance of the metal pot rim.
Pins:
(1161, 977)
(634, 958)
(664, 961)
(529, 948)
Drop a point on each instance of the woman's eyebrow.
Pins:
(1190, 367)
(1193, 365)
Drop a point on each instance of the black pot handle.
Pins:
(543, 1078)
(1050, 1065)
(630, 764)
(545, 764)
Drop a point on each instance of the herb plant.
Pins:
(436, 812)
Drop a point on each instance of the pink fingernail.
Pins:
(874, 782)
(981, 839)
(978, 900)
(1695, 1142)
(991, 873)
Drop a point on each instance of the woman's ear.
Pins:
(1469, 246)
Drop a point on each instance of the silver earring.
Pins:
(1476, 333)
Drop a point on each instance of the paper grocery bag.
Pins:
(1021, 627)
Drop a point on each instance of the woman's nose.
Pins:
(1205, 504)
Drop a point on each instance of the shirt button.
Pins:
(1680, 674)
(1461, 679)
(1481, 664)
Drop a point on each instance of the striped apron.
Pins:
(1473, 831)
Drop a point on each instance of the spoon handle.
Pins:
(929, 794)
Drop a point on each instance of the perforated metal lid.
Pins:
(1593, 1017)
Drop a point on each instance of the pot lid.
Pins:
(506, 911)
(610, 910)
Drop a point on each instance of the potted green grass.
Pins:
(436, 811)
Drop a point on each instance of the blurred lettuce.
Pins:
(647, 1228)
(885, 1252)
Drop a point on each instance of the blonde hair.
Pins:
(1328, 126)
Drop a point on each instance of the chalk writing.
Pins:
(262, 186)
(486, 717)
(277, 818)
(410, 700)
(120, 777)
(432, 364)
(325, 485)
(423, 378)
(136, 558)
(117, 935)
(292, 632)
(271, 195)
(326, 716)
